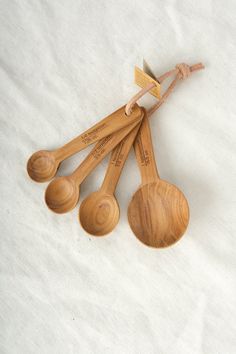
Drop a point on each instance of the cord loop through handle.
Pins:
(182, 71)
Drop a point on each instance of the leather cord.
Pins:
(181, 72)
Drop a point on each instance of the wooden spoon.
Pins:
(99, 213)
(62, 194)
(42, 165)
(158, 213)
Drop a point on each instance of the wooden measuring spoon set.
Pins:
(158, 212)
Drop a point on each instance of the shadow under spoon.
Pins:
(158, 212)
(99, 213)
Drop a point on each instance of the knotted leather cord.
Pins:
(181, 72)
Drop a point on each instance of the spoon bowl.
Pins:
(42, 166)
(62, 195)
(99, 213)
(158, 214)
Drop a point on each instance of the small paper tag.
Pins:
(148, 70)
(141, 79)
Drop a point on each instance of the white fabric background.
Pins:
(63, 66)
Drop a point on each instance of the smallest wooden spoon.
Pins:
(99, 213)
(43, 165)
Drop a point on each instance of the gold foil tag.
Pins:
(144, 77)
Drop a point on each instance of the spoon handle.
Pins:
(105, 127)
(101, 149)
(144, 153)
(117, 161)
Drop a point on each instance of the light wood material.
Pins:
(99, 213)
(42, 165)
(62, 194)
(158, 213)
(142, 79)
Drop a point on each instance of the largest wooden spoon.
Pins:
(158, 213)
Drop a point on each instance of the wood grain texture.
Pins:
(117, 161)
(158, 212)
(99, 213)
(144, 154)
(42, 165)
(62, 194)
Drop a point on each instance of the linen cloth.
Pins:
(64, 65)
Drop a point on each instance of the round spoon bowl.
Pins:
(42, 166)
(158, 214)
(62, 195)
(99, 213)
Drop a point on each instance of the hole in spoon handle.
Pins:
(144, 153)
